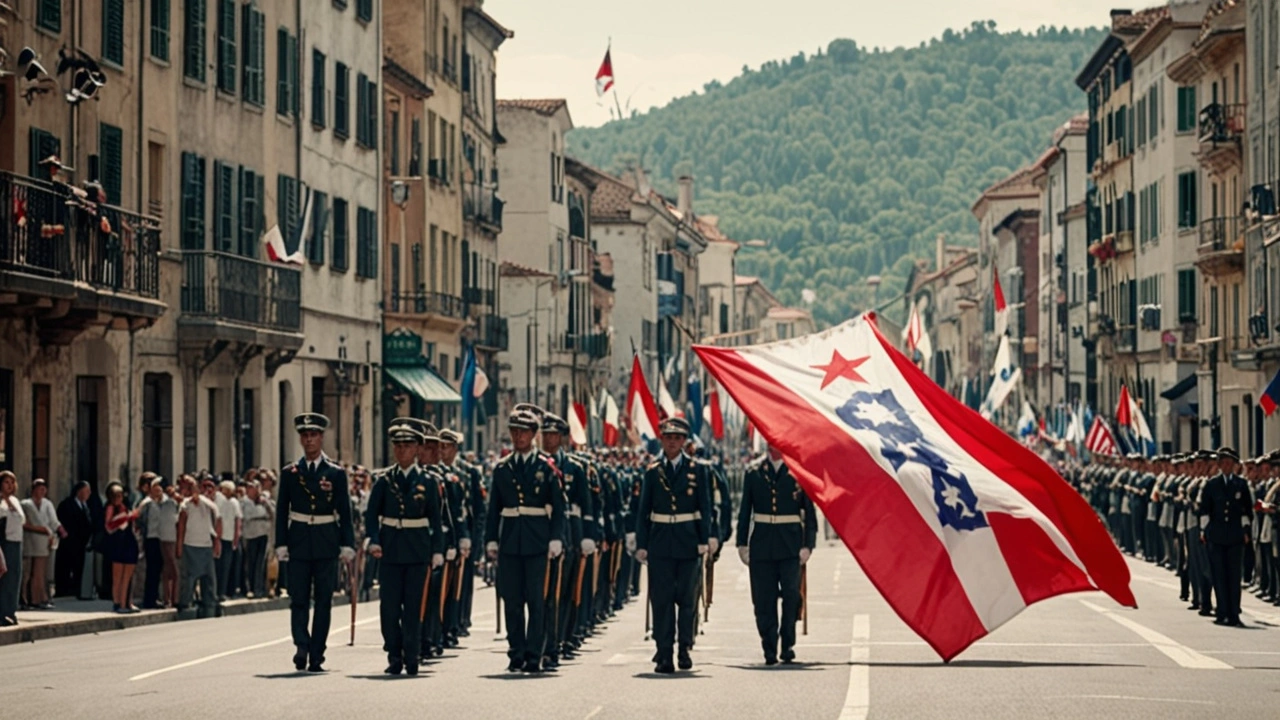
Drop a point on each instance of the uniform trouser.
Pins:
(623, 583)
(432, 624)
(520, 585)
(1170, 549)
(555, 618)
(1263, 564)
(304, 577)
(1152, 545)
(602, 585)
(400, 605)
(769, 580)
(198, 568)
(673, 584)
(11, 581)
(155, 566)
(468, 590)
(1225, 563)
(255, 565)
(1126, 532)
(567, 619)
(586, 611)
(1248, 566)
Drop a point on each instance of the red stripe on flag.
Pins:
(1025, 472)
(1028, 551)
(869, 510)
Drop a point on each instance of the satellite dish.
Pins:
(399, 193)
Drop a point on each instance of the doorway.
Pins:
(90, 393)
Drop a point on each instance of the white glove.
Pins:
(642, 556)
(555, 548)
(713, 545)
(375, 551)
(744, 554)
(702, 549)
(437, 560)
(450, 554)
(282, 553)
(464, 544)
(346, 554)
(804, 555)
(631, 543)
(588, 546)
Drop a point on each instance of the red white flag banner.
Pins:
(604, 76)
(956, 524)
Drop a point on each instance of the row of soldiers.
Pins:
(1204, 514)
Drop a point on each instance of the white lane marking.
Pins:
(1174, 650)
(857, 701)
(594, 712)
(835, 578)
(237, 651)
(1131, 697)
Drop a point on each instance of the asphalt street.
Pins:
(1078, 656)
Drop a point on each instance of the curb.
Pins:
(94, 626)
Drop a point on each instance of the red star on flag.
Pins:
(840, 367)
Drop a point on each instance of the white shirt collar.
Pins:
(304, 462)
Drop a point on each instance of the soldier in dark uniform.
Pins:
(313, 531)
(578, 542)
(673, 533)
(524, 532)
(403, 522)
(473, 494)
(1226, 506)
(777, 531)
(429, 465)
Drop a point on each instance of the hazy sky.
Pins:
(668, 48)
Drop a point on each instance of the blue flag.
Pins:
(468, 384)
(695, 405)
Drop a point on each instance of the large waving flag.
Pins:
(1270, 396)
(956, 524)
(609, 409)
(1100, 441)
(666, 404)
(640, 408)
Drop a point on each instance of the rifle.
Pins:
(462, 566)
(497, 598)
(426, 588)
(546, 580)
(444, 590)
(648, 596)
(555, 635)
(709, 588)
(804, 598)
(355, 589)
(577, 585)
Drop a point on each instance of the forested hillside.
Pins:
(849, 162)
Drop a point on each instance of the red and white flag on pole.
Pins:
(578, 424)
(1100, 441)
(958, 525)
(604, 76)
(609, 408)
(1002, 308)
(641, 411)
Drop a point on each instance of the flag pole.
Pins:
(609, 51)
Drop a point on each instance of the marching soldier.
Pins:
(524, 532)
(1226, 506)
(403, 521)
(429, 467)
(777, 531)
(673, 532)
(473, 508)
(313, 531)
(579, 545)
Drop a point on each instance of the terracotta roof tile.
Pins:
(548, 106)
(611, 199)
(510, 269)
(1141, 20)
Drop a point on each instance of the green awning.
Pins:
(425, 383)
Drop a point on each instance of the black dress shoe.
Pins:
(514, 666)
(411, 669)
(664, 667)
(1206, 612)
(770, 660)
(531, 666)
(685, 662)
(788, 656)
(1235, 622)
(394, 667)
(300, 659)
(315, 667)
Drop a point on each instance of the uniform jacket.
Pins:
(769, 492)
(536, 485)
(321, 492)
(1226, 504)
(452, 507)
(407, 494)
(688, 492)
(578, 494)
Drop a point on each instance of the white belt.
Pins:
(776, 519)
(673, 519)
(403, 523)
(312, 519)
(526, 510)
(574, 511)
(589, 518)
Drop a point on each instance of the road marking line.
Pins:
(1130, 697)
(1174, 650)
(237, 651)
(857, 702)
(594, 713)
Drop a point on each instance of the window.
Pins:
(341, 101)
(110, 159)
(287, 214)
(415, 268)
(319, 214)
(157, 423)
(1140, 112)
(1213, 313)
(192, 202)
(227, 45)
(415, 148)
(254, 27)
(433, 249)
(1187, 203)
(160, 29)
(113, 31)
(395, 276)
(41, 420)
(1187, 110)
(252, 217)
(43, 144)
(286, 73)
(317, 88)
(155, 178)
(193, 40)
(393, 142)
(1153, 112)
(1187, 295)
(366, 243)
(340, 225)
(49, 15)
(364, 10)
(366, 112)
(224, 207)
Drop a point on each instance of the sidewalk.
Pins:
(82, 617)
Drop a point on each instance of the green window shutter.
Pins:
(225, 205)
(282, 72)
(113, 31)
(361, 99)
(192, 202)
(253, 55)
(317, 88)
(43, 144)
(49, 15)
(364, 10)
(193, 39)
(246, 190)
(287, 208)
(371, 108)
(160, 29)
(294, 75)
(341, 101)
(111, 159)
(366, 243)
(227, 45)
(340, 229)
(315, 243)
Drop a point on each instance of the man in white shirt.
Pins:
(40, 537)
(199, 531)
(232, 526)
(158, 520)
(259, 512)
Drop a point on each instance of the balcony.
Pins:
(449, 70)
(482, 206)
(491, 332)
(446, 312)
(1221, 129)
(479, 299)
(1221, 248)
(593, 345)
(232, 298)
(70, 264)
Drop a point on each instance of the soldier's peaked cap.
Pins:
(523, 419)
(425, 427)
(404, 433)
(552, 423)
(310, 421)
(674, 426)
(453, 437)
